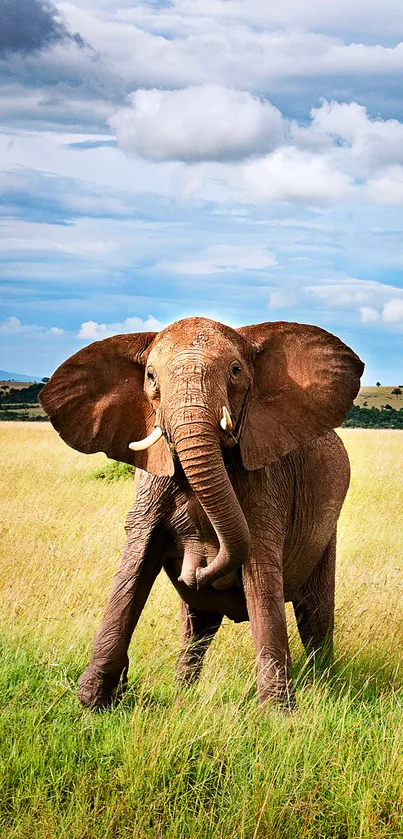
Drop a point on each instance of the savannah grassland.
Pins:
(375, 397)
(203, 763)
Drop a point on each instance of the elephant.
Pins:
(240, 479)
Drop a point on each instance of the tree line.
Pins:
(384, 417)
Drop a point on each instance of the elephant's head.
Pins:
(198, 387)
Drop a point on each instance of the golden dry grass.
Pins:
(377, 396)
(62, 535)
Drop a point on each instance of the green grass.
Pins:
(166, 764)
(202, 763)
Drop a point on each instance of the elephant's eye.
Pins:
(235, 368)
(151, 377)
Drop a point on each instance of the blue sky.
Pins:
(212, 157)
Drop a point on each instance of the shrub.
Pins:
(112, 470)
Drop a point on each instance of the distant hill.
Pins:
(5, 376)
(376, 397)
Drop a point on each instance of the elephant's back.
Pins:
(321, 473)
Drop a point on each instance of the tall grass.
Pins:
(205, 762)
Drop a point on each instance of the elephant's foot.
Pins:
(279, 699)
(286, 703)
(188, 668)
(97, 690)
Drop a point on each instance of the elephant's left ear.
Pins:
(305, 381)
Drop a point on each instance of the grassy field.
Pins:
(203, 763)
(377, 396)
(14, 411)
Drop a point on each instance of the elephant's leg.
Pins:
(314, 606)
(138, 568)
(263, 584)
(198, 629)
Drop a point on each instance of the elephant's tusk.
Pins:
(152, 438)
(226, 422)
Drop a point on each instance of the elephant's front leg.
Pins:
(263, 584)
(138, 568)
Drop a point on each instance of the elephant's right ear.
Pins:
(96, 401)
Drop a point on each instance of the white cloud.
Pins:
(360, 143)
(339, 150)
(105, 166)
(81, 239)
(202, 122)
(93, 331)
(393, 310)
(365, 296)
(225, 258)
(13, 326)
(342, 152)
(290, 174)
(369, 314)
(364, 16)
(344, 293)
(87, 250)
(230, 43)
(387, 189)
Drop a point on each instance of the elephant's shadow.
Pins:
(362, 680)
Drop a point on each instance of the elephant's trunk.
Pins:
(198, 448)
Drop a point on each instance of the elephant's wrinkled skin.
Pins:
(239, 506)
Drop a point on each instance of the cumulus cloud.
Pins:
(200, 122)
(13, 326)
(374, 301)
(341, 148)
(388, 188)
(213, 122)
(28, 26)
(393, 310)
(290, 174)
(361, 143)
(93, 331)
(341, 144)
(369, 314)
